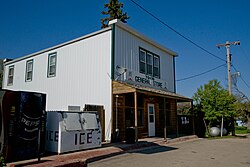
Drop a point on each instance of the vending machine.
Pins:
(22, 124)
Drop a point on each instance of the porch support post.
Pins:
(177, 120)
(136, 126)
(193, 117)
(165, 119)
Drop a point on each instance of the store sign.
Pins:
(145, 80)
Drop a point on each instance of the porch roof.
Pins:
(124, 87)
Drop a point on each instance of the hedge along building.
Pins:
(127, 77)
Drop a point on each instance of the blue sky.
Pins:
(28, 26)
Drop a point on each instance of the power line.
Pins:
(241, 77)
(189, 40)
(172, 29)
(245, 55)
(200, 73)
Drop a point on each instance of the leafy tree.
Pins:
(243, 111)
(242, 104)
(184, 108)
(215, 102)
(114, 11)
(1, 72)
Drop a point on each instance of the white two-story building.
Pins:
(128, 78)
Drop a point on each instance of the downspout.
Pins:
(165, 119)
(112, 77)
(193, 122)
(113, 52)
(177, 120)
(174, 74)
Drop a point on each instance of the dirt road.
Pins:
(199, 153)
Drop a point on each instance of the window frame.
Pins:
(10, 79)
(159, 74)
(149, 63)
(145, 64)
(50, 67)
(29, 71)
(142, 63)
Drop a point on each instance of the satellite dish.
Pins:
(120, 70)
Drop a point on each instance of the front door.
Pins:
(151, 120)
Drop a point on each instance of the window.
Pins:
(149, 63)
(156, 68)
(52, 65)
(10, 75)
(29, 70)
(142, 61)
(140, 117)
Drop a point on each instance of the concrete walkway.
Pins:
(81, 158)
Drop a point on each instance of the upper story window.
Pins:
(149, 63)
(142, 61)
(156, 67)
(52, 65)
(10, 75)
(29, 70)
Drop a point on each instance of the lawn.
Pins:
(241, 130)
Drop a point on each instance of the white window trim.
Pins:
(50, 66)
(158, 66)
(141, 61)
(29, 71)
(146, 63)
(10, 76)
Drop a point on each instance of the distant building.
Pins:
(128, 78)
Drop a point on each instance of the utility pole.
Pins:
(227, 45)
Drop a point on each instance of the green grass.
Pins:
(227, 137)
(242, 130)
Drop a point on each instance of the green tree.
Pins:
(1, 72)
(243, 111)
(215, 102)
(114, 11)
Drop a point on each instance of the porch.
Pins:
(151, 112)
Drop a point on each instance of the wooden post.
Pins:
(193, 122)
(177, 120)
(136, 126)
(165, 119)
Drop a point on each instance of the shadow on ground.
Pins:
(142, 147)
(156, 149)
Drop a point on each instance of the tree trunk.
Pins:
(206, 127)
(248, 120)
(221, 128)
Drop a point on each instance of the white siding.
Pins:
(127, 55)
(81, 75)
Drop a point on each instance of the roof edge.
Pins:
(140, 35)
(58, 46)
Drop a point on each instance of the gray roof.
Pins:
(158, 92)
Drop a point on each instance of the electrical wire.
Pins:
(200, 73)
(175, 31)
(241, 77)
(189, 40)
(244, 54)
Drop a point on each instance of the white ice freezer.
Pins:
(72, 131)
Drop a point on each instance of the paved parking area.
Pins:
(204, 152)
